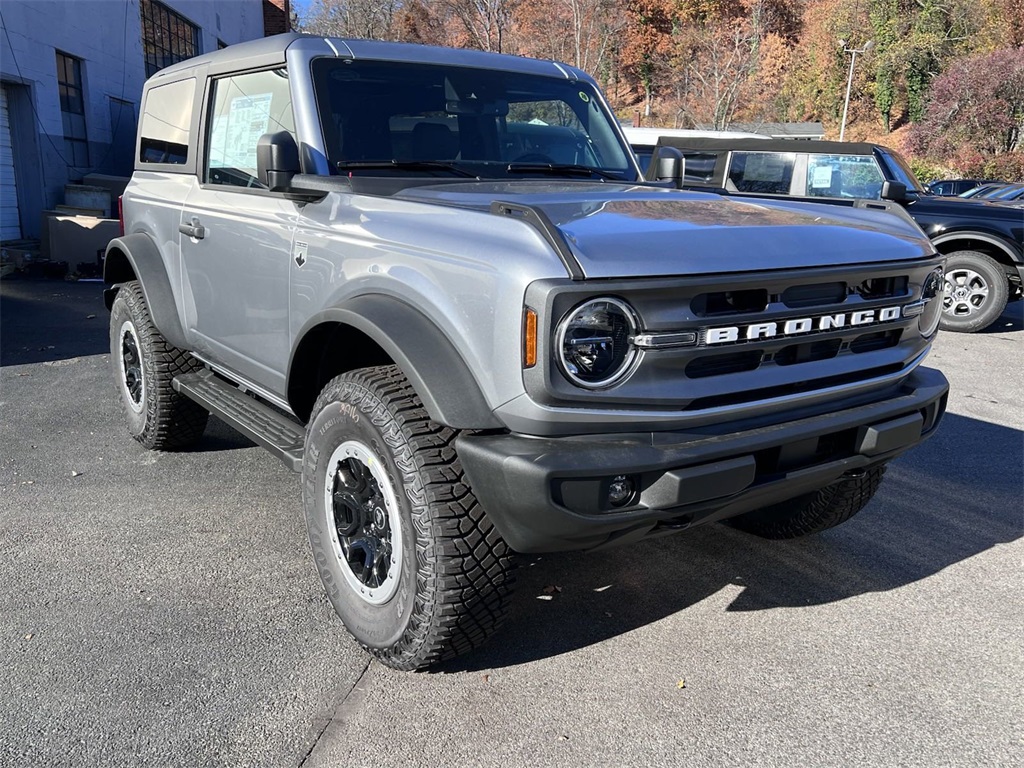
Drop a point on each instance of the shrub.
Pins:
(927, 171)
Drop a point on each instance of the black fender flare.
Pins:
(994, 240)
(137, 257)
(435, 369)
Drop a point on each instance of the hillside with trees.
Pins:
(941, 80)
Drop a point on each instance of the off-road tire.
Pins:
(813, 512)
(456, 573)
(156, 415)
(972, 271)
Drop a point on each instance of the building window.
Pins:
(72, 109)
(167, 37)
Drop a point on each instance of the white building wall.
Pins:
(107, 36)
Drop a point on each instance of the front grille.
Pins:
(760, 335)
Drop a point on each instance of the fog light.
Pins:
(621, 490)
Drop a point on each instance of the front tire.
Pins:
(408, 559)
(976, 292)
(144, 365)
(813, 512)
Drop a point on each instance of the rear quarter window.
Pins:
(164, 128)
(700, 167)
(769, 173)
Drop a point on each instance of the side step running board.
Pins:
(281, 435)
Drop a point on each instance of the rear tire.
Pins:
(813, 512)
(976, 292)
(408, 559)
(144, 365)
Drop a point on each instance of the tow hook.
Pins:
(853, 474)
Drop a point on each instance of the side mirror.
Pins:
(895, 191)
(669, 165)
(277, 160)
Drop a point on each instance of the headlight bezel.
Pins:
(630, 359)
(930, 317)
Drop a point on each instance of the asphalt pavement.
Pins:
(161, 608)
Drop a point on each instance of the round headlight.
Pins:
(932, 292)
(593, 343)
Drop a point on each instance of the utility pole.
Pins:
(849, 80)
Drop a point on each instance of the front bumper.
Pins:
(550, 494)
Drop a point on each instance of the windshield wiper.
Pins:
(403, 165)
(561, 169)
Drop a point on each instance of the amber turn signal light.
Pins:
(529, 338)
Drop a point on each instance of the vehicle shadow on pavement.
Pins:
(1011, 320)
(47, 320)
(952, 498)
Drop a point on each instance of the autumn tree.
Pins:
(371, 19)
(417, 23)
(975, 109)
(484, 24)
(580, 32)
(720, 47)
(647, 44)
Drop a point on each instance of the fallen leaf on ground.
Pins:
(681, 684)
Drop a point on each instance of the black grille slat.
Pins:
(808, 352)
(815, 295)
(720, 365)
(884, 287)
(871, 342)
(739, 302)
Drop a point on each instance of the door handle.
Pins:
(195, 229)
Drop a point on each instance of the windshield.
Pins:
(392, 117)
(899, 168)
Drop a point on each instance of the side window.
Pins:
(243, 108)
(843, 176)
(165, 122)
(763, 172)
(700, 167)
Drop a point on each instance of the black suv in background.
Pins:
(955, 187)
(983, 242)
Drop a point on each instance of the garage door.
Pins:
(10, 224)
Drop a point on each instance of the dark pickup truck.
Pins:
(983, 242)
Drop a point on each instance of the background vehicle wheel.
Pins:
(813, 512)
(976, 292)
(408, 558)
(144, 365)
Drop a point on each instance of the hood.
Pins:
(617, 230)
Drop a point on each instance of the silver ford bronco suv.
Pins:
(435, 283)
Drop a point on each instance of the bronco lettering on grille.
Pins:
(801, 325)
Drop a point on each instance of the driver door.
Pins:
(236, 236)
